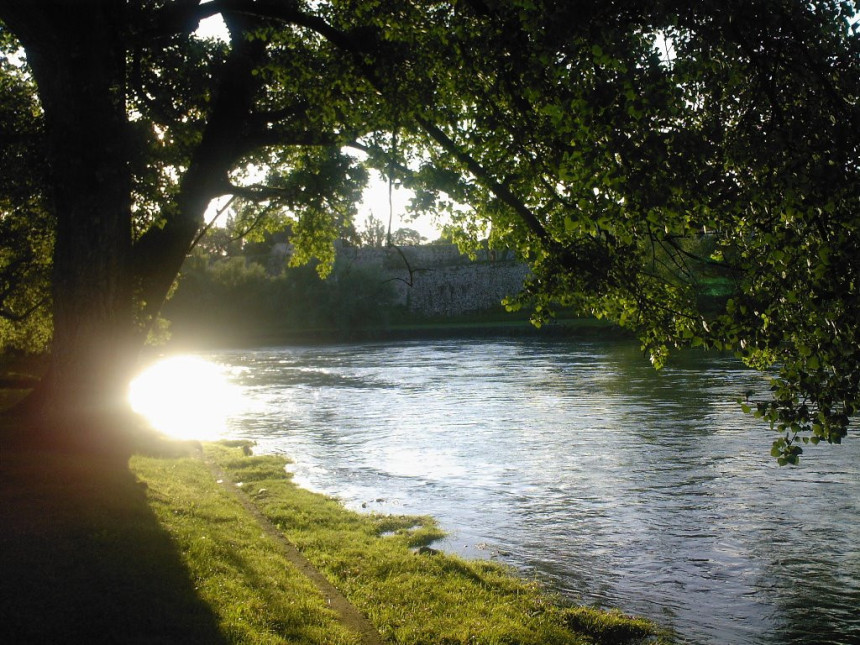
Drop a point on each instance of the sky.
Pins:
(376, 203)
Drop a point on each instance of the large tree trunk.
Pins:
(78, 59)
(160, 252)
(77, 51)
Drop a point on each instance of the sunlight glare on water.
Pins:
(186, 397)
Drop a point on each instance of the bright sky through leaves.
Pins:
(375, 196)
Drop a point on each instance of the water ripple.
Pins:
(578, 463)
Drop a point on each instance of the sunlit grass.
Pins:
(94, 554)
(417, 598)
(255, 593)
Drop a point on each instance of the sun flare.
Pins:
(186, 397)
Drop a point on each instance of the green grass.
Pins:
(156, 551)
(416, 598)
(255, 593)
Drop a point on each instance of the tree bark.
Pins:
(77, 55)
(160, 252)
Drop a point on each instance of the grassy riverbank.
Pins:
(161, 552)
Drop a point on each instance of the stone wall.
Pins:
(436, 280)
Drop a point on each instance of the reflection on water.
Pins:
(186, 397)
(580, 464)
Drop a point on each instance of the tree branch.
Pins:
(211, 222)
(255, 192)
(267, 137)
(491, 183)
(288, 12)
(12, 316)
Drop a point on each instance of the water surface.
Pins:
(579, 464)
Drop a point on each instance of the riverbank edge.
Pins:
(464, 327)
(412, 593)
(156, 554)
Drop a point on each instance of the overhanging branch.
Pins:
(13, 316)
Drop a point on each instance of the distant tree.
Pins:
(220, 241)
(373, 233)
(407, 237)
(236, 300)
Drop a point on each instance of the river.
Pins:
(579, 464)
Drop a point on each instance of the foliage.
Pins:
(256, 302)
(26, 237)
(373, 233)
(689, 171)
(640, 155)
(406, 236)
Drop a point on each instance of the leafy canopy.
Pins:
(687, 170)
(26, 223)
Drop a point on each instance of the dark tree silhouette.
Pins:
(688, 171)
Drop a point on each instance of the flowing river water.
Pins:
(580, 465)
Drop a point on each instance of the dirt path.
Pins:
(350, 616)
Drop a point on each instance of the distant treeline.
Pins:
(231, 293)
(235, 299)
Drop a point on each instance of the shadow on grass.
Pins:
(83, 559)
